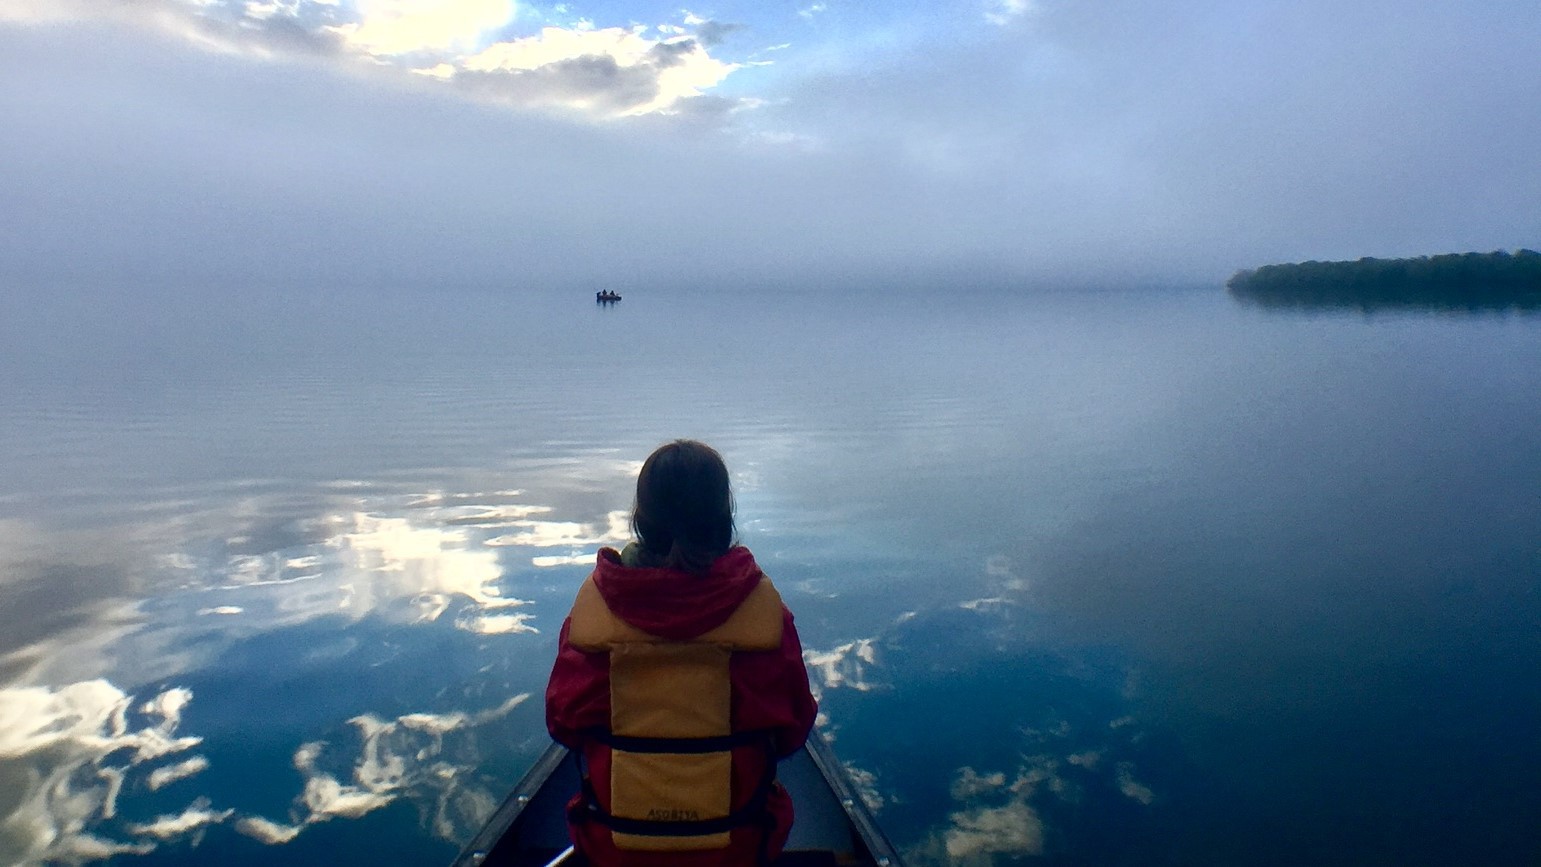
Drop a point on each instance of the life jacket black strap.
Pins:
(754, 811)
(678, 746)
(688, 828)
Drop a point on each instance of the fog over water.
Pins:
(214, 143)
(309, 429)
(1126, 576)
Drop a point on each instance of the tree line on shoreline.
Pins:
(1453, 281)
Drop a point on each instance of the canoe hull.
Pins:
(832, 824)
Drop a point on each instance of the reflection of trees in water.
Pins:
(987, 747)
(1455, 281)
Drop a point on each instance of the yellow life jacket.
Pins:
(671, 729)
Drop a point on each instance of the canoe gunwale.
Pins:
(879, 851)
(882, 852)
(507, 813)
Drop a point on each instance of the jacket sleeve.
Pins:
(578, 693)
(804, 710)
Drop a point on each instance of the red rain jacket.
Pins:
(769, 691)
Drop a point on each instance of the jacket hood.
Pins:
(672, 603)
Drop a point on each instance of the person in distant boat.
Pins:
(679, 682)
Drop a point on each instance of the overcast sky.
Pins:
(503, 143)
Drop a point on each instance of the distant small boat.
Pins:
(605, 296)
(832, 824)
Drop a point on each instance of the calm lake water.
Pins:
(1123, 577)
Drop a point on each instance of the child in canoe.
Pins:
(679, 682)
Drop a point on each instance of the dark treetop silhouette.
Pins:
(1455, 281)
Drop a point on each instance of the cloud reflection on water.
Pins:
(383, 560)
(842, 667)
(192, 821)
(442, 557)
(1041, 739)
(64, 596)
(87, 771)
(67, 755)
(162, 777)
(403, 757)
(258, 567)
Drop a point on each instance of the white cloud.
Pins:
(999, 811)
(45, 11)
(194, 818)
(489, 516)
(1011, 829)
(566, 534)
(91, 713)
(546, 561)
(970, 783)
(627, 47)
(441, 71)
(169, 705)
(88, 848)
(161, 777)
(395, 27)
(397, 758)
(843, 666)
(267, 831)
(497, 624)
(1088, 759)
(1003, 12)
(431, 565)
(999, 566)
(1131, 787)
(68, 751)
(1010, 589)
(72, 750)
(867, 787)
(325, 797)
(996, 819)
(382, 561)
(612, 71)
(263, 11)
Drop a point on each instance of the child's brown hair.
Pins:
(683, 515)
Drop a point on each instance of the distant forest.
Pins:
(1456, 281)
